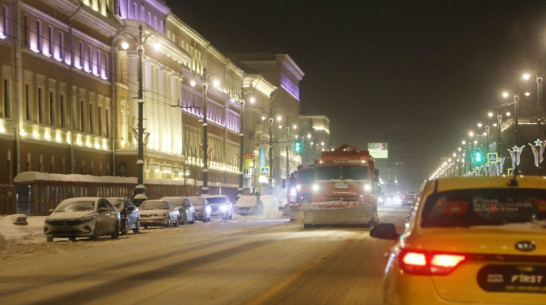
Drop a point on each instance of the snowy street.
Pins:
(242, 261)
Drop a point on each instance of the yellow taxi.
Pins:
(470, 240)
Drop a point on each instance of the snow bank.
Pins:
(33, 232)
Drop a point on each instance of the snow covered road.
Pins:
(243, 261)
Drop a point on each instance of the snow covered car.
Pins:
(202, 209)
(129, 214)
(185, 207)
(220, 206)
(82, 217)
(249, 205)
(159, 213)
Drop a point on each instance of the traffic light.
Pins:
(297, 146)
(478, 159)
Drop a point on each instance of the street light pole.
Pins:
(140, 188)
(539, 122)
(205, 187)
(516, 131)
(241, 148)
(499, 122)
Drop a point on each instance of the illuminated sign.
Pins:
(378, 150)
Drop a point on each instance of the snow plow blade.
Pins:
(338, 213)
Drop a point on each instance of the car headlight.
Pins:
(315, 187)
(298, 187)
(208, 209)
(380, 199)
(223, 208)
(367, 187)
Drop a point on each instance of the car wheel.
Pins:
(124, 227)
(137, 227)
(72, 238)
(95, 235)
(307, 225)
(49, 239)
(146, 227)
(116, 231)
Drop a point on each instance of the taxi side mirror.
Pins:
(384, 231)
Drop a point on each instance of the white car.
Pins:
(220, 206)
(249, 205)
(82, 217)
(159, 213)
(185, 207)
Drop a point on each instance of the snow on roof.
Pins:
(28, 177)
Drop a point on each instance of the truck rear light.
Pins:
(424, 263)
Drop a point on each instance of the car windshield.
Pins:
(475, 207)
(306, 176)
(76, 206)
(342, 172)
(152, 205)
(117, 203)
(217, 200)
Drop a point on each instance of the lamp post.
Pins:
(241, 99)
(140, 190)
(205, 78)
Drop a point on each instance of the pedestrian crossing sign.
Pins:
(510, 171)
(264, 170)
(492, 157)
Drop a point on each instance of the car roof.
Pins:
(474, 182)
(83, 198)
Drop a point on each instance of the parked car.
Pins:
(470, 240)
(249, 205)
(159, 213)
(201, 207)
(129, 214)
(185, 207)
(82, 217)
(220, 206)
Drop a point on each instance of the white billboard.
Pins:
(379, 150)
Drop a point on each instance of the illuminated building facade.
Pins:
(70, 81)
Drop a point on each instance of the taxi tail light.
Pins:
(416, 262)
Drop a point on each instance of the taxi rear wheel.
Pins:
(72, 238)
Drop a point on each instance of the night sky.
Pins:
(415, 74)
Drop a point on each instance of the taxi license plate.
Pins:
(341, 186)
(510, 278)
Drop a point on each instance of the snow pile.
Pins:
(246, 201)
(33, 232)
(271, 207)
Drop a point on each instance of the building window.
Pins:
(82, 117)
(107, 118)
(51, 109)
(39, 35)
(106, 67)
(100, 120)
(5, 22)
(61, 45)
(40, 107)
(90, 58)
(25, 30)
(50, 40)
(91, 121)
(27, 104)
(81, 63)
(62, 119)
(99, 57)
(6, 99)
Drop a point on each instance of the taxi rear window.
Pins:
(474, 207)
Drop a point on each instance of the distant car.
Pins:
(390, 199)
(408, 200)
(82, 217)
(185, 207)
(220, 205)
(249, 205)
(159, 213)
(470, 240)
(202, 209)
(129, 214)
